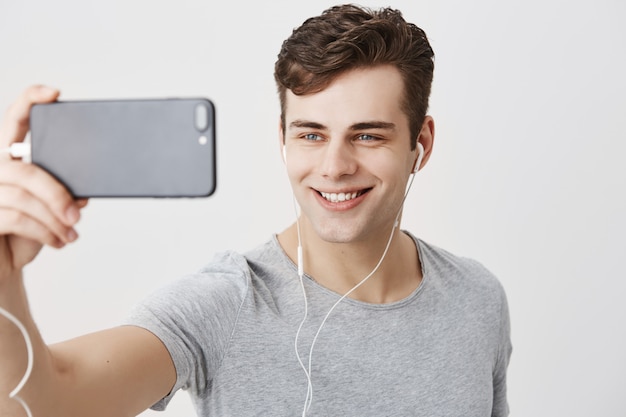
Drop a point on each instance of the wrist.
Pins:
(12, 291)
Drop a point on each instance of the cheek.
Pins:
(296, 167)
(395, 176)
(396, 168)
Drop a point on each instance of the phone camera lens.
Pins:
(201, 117)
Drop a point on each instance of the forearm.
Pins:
(115, 372)
(12, 345)
(48, 390)
(14, 352)
(12, 349)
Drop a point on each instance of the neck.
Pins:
(341, 266)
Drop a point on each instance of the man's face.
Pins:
(348, 155)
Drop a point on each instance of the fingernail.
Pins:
(47, 90)
(72, 235)
(72, 214)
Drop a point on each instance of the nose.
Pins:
(338, 159)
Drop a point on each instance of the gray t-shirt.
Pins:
(230, 329)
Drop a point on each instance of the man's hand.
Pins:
(35, 209)
(120, 371)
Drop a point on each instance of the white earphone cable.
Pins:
(306, 305)
(29, 367)
(309, 398)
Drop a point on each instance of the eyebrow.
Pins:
(307, 124)
(374, 124)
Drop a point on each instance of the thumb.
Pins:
(15, 123)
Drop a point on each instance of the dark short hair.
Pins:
(348, 37)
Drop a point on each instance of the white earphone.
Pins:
(420, 156)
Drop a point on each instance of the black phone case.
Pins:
(127, 148)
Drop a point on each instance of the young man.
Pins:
(340, 314)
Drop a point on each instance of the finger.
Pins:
(81, 202)
(46, 188)
(16, 223)
(14, 126)
(19, 200)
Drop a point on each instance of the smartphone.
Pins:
(127, 148)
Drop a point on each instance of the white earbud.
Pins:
(284, 154)
(418, 161)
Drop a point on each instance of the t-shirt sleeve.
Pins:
(500, 402)
(195, 317)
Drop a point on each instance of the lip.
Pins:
(341, 205)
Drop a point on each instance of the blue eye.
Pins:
(312, 136)
(366, 137)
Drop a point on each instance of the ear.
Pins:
(426, 138)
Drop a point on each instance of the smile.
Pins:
(339, 197)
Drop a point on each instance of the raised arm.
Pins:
(115, 372)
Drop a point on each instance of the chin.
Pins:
(336, 239)
(337, 233)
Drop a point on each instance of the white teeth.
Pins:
(338, 197)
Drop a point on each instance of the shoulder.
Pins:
(468, 288)
(229, 276)
(226, 272)
(463, 276)
(220, 285)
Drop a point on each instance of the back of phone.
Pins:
(127, 148)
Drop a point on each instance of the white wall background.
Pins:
(527, 175)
